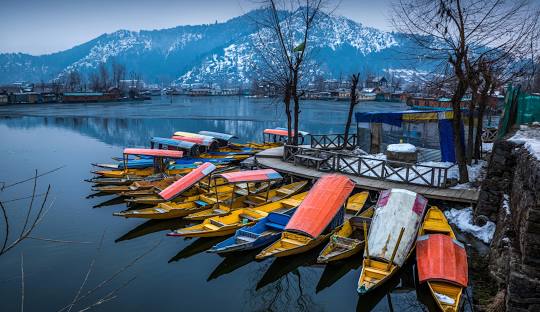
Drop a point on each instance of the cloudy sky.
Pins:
(46, 26)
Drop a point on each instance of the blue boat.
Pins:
(263, 233)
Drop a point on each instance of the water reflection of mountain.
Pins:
(129, 124)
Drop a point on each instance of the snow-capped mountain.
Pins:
(220, 52)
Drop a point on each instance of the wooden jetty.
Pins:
(273, 158)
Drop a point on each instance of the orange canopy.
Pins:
(440, 258)
(321, 205)
(187, 181)
(251, 175)
(153, 152)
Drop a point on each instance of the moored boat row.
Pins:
(275, 216)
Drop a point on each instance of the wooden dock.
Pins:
(273, 158)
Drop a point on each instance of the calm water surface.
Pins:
(177, 275)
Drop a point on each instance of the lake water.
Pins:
(177, 274)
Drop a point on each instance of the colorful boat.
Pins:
(262, 176)
(228, 224)
(160, 160)
(315, 219)
(137, 186)
(346, 242)
(441, 261)
(392, 236)
(265, 232)
(247, 201)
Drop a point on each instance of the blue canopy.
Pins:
(172, 142)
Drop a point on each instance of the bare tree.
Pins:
(355, 78)
(118, 72)
(283, 43)
(458, 35)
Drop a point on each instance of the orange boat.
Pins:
(441, 261)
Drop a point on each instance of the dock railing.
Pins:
(333, 141)
(368, 166)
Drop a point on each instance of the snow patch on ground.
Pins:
(463, 220)
(475, 171)
(530, 138)
(506, 203)
(401, 148)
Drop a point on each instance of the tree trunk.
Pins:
(456, 123)
(354, 84)
(287, 102)
(296, 100)
(470, 132)
(482, 103)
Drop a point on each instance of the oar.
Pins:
(395, 249)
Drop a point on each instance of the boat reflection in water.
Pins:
(333, 272)
(110, 202)
(233, 262)
(282, 266)
(153, 226)
(198, 246)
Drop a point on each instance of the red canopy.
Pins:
(187, 181)
(440, 258)
(251, 175)
(201, 141)
(153, 152)
(321, 204)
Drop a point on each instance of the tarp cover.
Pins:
(171, 142)
(440, 258)
(218, 135)
(396, 118)
(395, 209)
(153, 152)
(201, 141)
(321, 204)
(187, 181)
(251, 175)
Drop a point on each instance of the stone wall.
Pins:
(514, 177)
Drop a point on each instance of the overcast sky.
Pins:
(46, 26)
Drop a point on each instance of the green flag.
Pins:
(300, 47)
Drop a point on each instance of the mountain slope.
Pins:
(221, 52)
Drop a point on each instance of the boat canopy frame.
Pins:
(280, 135)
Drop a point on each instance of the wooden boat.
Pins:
(137, 186)
(347, 241)
(392, 236)
(253, 200)
(228, 224)
(312, 223)
(263, 233)
(437, 244)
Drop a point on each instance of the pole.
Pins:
(366, 242)
(232, 196)
(267, 192)
(395, 249)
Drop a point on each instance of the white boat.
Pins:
(392, 236)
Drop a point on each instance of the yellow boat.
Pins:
(272, 195)
(138, 186)
(145, 172)
(225, 225)
(315, 219)
(392, 236)
(437, 244)
(346, 242)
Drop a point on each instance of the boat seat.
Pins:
(211, 226)
(275, 226)
(216, 223)
(201, 203)
(290, 241)
(245, 239)
(246, 216)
